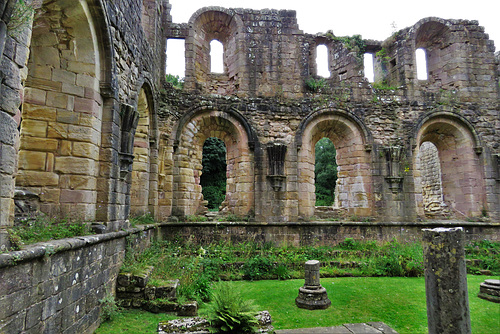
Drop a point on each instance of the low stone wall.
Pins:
(317, 233)
(55, 287)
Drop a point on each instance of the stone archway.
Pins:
(354, 187)
(187, 160)
(462, 179)
(141, 166)
(62, 111)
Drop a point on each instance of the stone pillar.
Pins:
(446, 281)
(312, 295)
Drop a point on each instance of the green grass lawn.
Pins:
(397, 301)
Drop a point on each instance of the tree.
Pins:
(213, 176)
(325, 172)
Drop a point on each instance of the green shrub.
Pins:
(258, 267)
(228, 312)
(108, 307)
(281, 272)
(142, 219)
(175, 80)
(316, 85)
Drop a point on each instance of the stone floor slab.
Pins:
(363, 328)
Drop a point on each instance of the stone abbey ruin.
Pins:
(90, 129)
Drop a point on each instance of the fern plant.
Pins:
(228, 312)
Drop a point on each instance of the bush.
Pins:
(175, 80)
(228, 312)
(258, 267)
(108, 308)
(316, 85)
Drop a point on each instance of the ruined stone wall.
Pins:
(68, 72)
(315, 233)
(377, 131)
(56, 287)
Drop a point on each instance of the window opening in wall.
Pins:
(213, 176)
(216, 57)
(421, 57)
(322, 61)
(325, 172)
(176, 62)
(368, 65)
(432, 188)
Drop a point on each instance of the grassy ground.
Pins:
(397, 301)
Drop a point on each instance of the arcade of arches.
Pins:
(91, 130)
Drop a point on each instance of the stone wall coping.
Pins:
(51, 247)
(438, 223)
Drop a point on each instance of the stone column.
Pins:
(446, 281)
(312, 295)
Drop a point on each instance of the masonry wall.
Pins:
(68, 71)
(377, 132)
(315, 233)
(56, 287)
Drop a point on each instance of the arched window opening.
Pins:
(421, 57)
(325, 172)
(139, 191)
(368, 65)
(216, 57)
(322, 61)
(176, 60)
(432, 187)
(213, 176)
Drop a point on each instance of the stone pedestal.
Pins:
(490, 290)
(446, 281)
(312, 295)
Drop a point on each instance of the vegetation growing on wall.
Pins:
(176, 81)
(21, 16)
(325, 172)
(45, 229)
(213, 177)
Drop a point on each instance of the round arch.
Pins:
(190, 135)
(144, 176)
(61, 127)
(208, 24)
(458, 148)
(353, 191)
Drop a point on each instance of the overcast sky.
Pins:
(370, 19)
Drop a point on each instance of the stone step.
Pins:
(363, 328)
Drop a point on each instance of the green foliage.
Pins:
(144, 219)
(325, 172)
(258, 267)
(21, 16)
(109, 309)
(353, 43)
(176, 81)
(484, 255)
(316, 85)
(45, 229)
(134, 321)
(382, 54)
(228, 312)
(396, 260)
(383, 86)
(213, 176)
(195, 218)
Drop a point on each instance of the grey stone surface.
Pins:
(312, 295)
(446, 281)
(362, 328)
